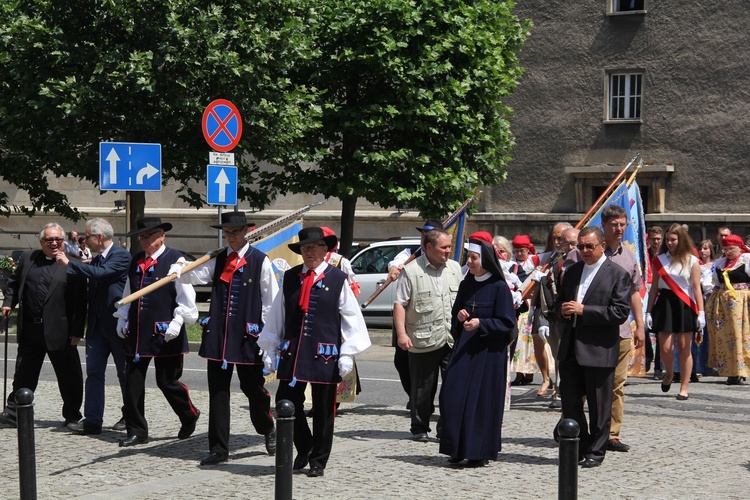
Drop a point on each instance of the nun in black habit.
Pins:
(473, 392)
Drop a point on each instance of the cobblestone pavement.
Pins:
(694, 449)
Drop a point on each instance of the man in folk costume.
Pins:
(244, 287)
(153, 327)
(316, 328)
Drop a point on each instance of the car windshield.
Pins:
(376, 259)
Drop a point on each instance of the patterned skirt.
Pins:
(728, 321)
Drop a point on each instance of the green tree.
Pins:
(411, 94)
(73, 74)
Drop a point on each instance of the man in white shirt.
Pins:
(315, 327)
(592, 302)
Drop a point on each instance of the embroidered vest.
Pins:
(312, 341)
(149, 316)
(235, 322)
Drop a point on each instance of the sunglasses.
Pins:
(587, 246)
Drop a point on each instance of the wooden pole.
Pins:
(587, 217)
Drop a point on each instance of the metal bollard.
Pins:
(26, 447)
(284, 449)
(567, 485)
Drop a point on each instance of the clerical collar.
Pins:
(596, 264)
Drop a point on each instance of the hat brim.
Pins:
(330, 241)
(231, 224)
(164, 226)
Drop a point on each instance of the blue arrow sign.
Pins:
(129, 166)
(221, 187)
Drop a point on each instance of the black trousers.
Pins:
(424, 368)
(168, 373)
(597, 385)
(251, 384)
(319, 441)
(67, 365)
(401, 362)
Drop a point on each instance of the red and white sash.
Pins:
(682, 289)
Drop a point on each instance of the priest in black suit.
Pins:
(51, 318)
(593, 300)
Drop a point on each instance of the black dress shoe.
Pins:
(188, 428)
(213, 458)
(315, 471)
(300, 462)
(84, 428)
(455, 460)
(590, 463)
(271, 442)
(476, 463)
(8, 419)
(120, 425)
(133, 440)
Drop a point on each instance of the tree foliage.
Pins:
(412, 101)
(395, 101)
(73, 74)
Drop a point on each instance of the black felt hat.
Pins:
(311, 235)
(147, 224)
(233, 219)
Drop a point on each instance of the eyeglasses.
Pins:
(91, 236)
(310, 248)
(568, 243)
(227, 232)
(587, 246)
(617, 225)
(52, 240)
(148, 235)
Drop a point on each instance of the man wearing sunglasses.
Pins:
(51, 317)
(592, 302)
(106, 275)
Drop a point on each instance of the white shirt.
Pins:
(354, 336)
(587, 276)
(186, 310)
(269, 288)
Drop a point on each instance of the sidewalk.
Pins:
(694, 449)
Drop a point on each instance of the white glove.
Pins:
(543, 332)
(537, 275)
(649, 321)
(517, 299)
(346, 365)
(122, 328)
(269, 361)
(701, 320)
(173, 331)
(175, 269)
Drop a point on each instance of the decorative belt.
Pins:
(739, 286)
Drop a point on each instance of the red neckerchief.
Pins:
(308, 280)
(145, 264)
(230, 266)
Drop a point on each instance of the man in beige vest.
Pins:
(425, 293)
